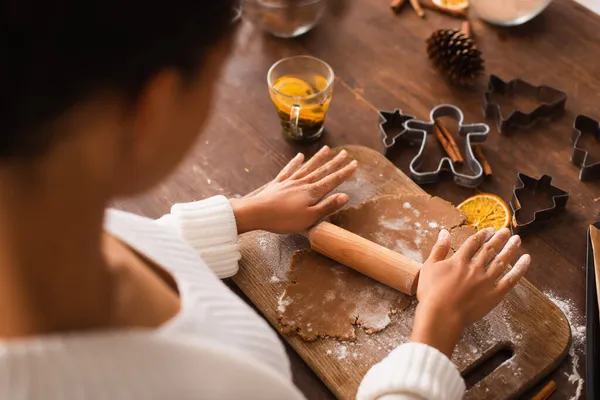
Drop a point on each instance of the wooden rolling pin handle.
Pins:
(378, 262)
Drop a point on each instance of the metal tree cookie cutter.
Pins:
(542, 185)
(587, 125)
(552, 103)
(415, 132)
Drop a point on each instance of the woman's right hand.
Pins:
(298, 197)
(454, 292)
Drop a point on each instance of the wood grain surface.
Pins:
(380, 63)
(522, 323)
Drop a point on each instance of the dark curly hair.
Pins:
(56, 53)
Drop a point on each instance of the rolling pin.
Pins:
(378, 262)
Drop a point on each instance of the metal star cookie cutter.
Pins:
(543, 184)
(392, 121)
(414, 132)
(579, 158)
(551, 103)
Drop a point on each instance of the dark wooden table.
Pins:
(380, 63)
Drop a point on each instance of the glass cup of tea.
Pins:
(301, 88)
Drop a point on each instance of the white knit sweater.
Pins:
(217, 347)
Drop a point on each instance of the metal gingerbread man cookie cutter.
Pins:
(415, 132)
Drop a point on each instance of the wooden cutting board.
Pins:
(526, 323)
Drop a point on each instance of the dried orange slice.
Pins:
(452, 4)
(485, 210)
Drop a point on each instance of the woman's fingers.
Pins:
(330, 167)
(502, 261)
(315, 162)
(290, 168)
(330, 204)
(468, 250)
(441, 248)
(513, 276)
(332, 181)
(491, 248)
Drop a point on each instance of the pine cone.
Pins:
(455, 54)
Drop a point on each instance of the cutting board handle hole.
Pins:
(487, 363)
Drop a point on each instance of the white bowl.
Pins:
(508, 12)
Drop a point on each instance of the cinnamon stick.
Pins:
(428, 4)
(465, 27)
(445, 144)
(487, 168)
(450, 140)
(397, 5)
(416, 5)
(546, 391)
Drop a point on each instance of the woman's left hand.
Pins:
(296, 199)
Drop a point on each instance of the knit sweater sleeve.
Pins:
(413, 371)
(209, 227)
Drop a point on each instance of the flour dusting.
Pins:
(362, 348)
(479, 338)
(330, 295)
(408, 251)
(399, 224)
(359, 188)
(263, 242)
(283, 302)
(383, 239)
(577, 323)
(373, 310)
(406, 205)
(276, 252)
(342, 352)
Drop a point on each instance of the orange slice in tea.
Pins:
(486, 210)
(320, 83)
(290, 86)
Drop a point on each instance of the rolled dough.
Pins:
(327, 299)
